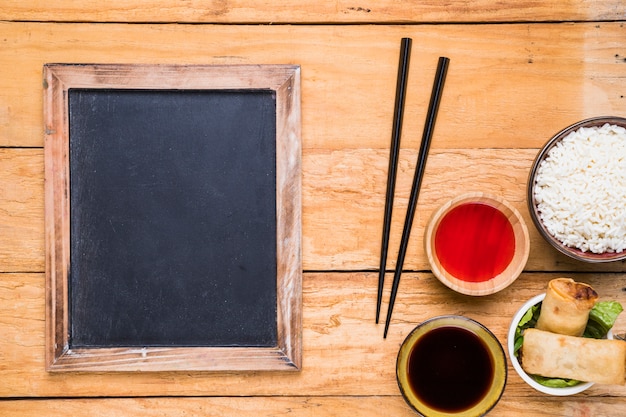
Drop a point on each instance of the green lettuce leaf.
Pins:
(555, 382)
(602, 317)
(528, 320)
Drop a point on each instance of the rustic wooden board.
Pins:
(293, 406)
(340, 340)
(342, 205)
(508, 86)
(311, 11)
(21, 210)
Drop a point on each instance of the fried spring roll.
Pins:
(558, 356)
(565, 308)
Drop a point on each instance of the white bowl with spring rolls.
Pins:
(561, 343)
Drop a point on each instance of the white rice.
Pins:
(581, 189)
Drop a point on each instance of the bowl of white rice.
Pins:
(577, 190)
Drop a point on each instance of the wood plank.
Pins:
(340, 341)
(355, 180)
(310, 11)
(342, 205)
(508, 86)
(293, 406)
(21, 210)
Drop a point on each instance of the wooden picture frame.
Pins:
(284, 80)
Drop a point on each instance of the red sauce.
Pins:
(475, 242)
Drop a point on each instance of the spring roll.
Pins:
(558, 356)
(565, 308)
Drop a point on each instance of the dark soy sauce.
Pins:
(450, 369)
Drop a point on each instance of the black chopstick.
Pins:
(429, 126)
(398, 114)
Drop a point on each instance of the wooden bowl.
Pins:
(535, 214)
(477, 244)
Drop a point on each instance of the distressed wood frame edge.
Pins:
(285, 81)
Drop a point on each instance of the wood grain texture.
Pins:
(340, 340)
(310, 11)
(370, 406)
(343, 195)
(21, 210)
(508, 86)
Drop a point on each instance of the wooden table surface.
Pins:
(519, 72)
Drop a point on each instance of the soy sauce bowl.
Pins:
(451, 366)
(477, 244)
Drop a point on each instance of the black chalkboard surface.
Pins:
(173, 218)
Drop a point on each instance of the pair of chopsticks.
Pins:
(429, 126)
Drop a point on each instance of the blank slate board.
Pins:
(178, 244)
(173, 217)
